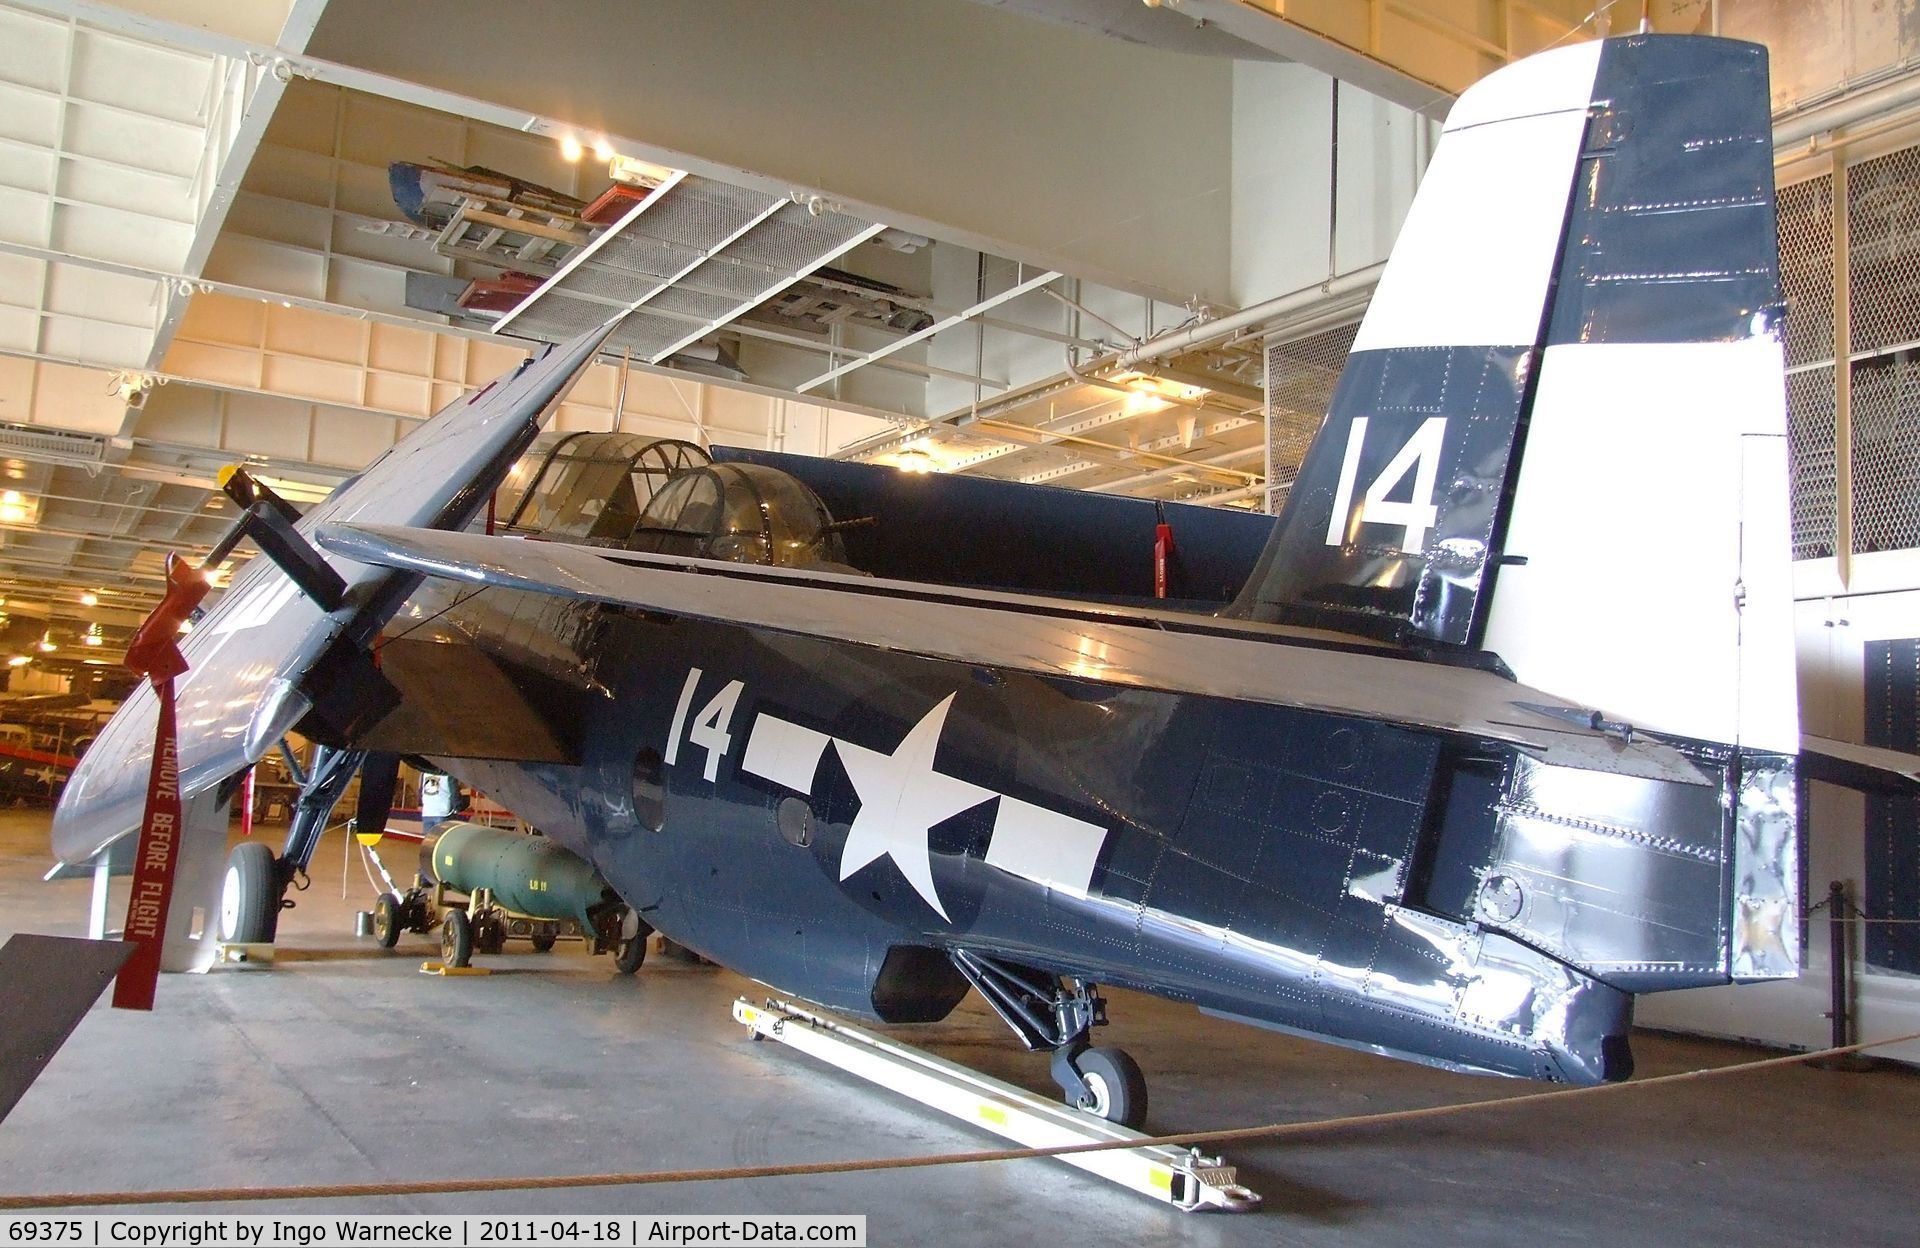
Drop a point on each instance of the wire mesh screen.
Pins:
(1883, 276)
(1806, 268)
(1811, 443)
(1883, 250)
(1300, 378)
(1886, 452)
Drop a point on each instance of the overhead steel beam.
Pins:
(785, 281)
(1109, 453)
(584, 254)
(785, 338)
(985, 305)
(262, 90)
(1162, 474)
(1419, 54)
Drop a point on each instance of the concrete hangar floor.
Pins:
(344, 1064)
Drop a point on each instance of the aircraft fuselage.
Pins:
(799, 809)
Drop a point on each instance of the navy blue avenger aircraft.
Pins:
(1491, 730)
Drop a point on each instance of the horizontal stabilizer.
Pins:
(1866, 768)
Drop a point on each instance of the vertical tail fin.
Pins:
(1561, 433)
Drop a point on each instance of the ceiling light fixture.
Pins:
(1147, 383)
(637, 172)
(603, 151)
(18, 660)
(569, 148)
(89, 599)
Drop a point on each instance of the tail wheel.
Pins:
(387, 920)
(1118, 1091)
(456, 940)
(632, 952)
(249, 898)
(634, 932)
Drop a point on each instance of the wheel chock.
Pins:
(441, 968)
(244, 953)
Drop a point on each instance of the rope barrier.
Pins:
(1273, 1131)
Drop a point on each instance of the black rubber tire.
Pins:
(1120, 1090)
(456, 940)
(387, 920)
(543, 942)
(249, 899)
(489, 935)
(632, 951)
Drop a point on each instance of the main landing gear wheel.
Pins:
(543, 942)
(1116, 1090)
(456, 940)
(386, 920)
(249, 900)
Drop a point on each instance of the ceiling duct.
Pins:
(53, 446)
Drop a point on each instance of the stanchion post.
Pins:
(1840, 984)
(1838, 961)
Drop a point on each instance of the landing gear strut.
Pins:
(1058, 1013)
(255, 889)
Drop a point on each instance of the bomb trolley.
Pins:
(482, 887)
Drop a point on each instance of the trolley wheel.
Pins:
(543, 942)
(388, 921)
(489, 934)
(456, 939)
(249, 896)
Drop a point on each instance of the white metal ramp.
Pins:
(1179, 1177)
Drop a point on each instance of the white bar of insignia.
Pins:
(1045, 846)
(783, 752)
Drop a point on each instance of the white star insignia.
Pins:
(901, 799)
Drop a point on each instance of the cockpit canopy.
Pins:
(662, 496)
(590, 487)
(741, 513)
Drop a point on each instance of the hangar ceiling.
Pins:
(201, 259)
